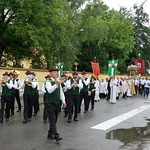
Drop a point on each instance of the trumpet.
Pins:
(3, 82)
(27, 82)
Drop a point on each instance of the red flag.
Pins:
(95, 68)
(140, 63)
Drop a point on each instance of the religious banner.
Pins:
(112, 67)
(140, 63)
(95, 68)
(60, 66)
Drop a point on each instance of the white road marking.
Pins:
(116, 120)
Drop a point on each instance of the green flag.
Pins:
(60, 66)
(112, 67)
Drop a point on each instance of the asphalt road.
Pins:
(130, 134)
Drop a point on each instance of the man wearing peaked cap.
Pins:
(28, 86)
(48, 76)
(45, 114)
(55, 94)
(6, 73)
(28, 72)
(14, 83)
(53, 68)
(84, 92)
(36, 96)
(6, 86)
(75, 73)
(74, 85)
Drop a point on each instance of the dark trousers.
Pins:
(102, 95)
(67, 103)
(18, 99)
(73, 106)
(83, 95)
(124, 95)
(108, 95)
(5, 100)
(36, 103)
(136, 88)
(91, 99)
(28, 103)
(146, 91)
(53, 110)
(12, 102)
(141, 89)
(45, 113)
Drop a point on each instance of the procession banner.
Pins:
(95, 68)
(112, 67)
(140, 63)
(60, 66)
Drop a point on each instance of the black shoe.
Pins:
(12, 113)
(65, 115)
(92, 108)
(58, 138)
(50, 137)
(6, 120)
(19, 110)
(29, 119)
(1, 121)
(75, 119)
(24, 121)
(69, 120)
(34, 114)
(85, 112)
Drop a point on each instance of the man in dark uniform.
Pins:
(74, 86)
(84, 92)
(28, 86)
(17, 96)
(36, 96)
(12, 107)
(45, 115)
(6, 86)
(55, 94)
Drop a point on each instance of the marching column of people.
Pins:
(68, 91)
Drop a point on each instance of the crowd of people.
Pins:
(68, 91)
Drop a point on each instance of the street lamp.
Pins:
(95, 58)
(76, 64)
(139, 55)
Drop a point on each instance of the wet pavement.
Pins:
(131, 134)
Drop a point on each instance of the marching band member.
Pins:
(29, 87)
(11, 76)
(74, 86)
(17, 96)
(84, 92)
(92, 89)
(6, 87)
(44, 90)
(55, 94)
(36, 96)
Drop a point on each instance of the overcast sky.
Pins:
(116, 4)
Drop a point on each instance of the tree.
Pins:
(101, 36)
(92, 32)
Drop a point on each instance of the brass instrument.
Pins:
(3, 82)
(28, 82)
